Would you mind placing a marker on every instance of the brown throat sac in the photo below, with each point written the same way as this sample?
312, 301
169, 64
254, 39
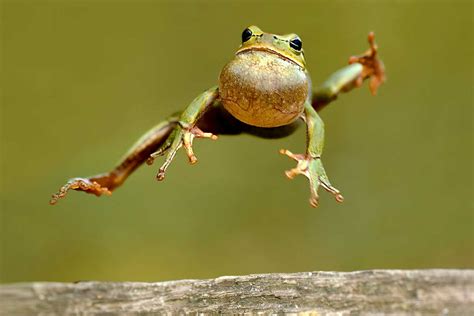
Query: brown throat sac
263, 89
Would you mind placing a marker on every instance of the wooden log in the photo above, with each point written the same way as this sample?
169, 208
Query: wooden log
365, 292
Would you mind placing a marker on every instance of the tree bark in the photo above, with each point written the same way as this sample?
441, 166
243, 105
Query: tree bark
365, 292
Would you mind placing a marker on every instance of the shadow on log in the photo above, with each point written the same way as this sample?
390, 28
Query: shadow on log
379, 291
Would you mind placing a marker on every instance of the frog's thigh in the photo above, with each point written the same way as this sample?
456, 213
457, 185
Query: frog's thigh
273, 132
218, 121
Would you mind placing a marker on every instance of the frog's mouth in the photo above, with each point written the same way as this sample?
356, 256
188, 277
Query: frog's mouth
268, 50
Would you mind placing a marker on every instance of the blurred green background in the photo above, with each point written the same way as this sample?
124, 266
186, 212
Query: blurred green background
82, 80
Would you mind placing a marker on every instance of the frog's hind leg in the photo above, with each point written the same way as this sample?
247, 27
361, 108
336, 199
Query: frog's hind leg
219, 121
272, 132
105, 183
362, 67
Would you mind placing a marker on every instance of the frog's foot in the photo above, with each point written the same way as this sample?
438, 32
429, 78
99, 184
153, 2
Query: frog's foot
87, 185
373, 66
181, 136
312, 168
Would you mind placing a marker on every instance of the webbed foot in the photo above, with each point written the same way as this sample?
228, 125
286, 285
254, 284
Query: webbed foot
88, 185
373, 66
181, 136
312, 168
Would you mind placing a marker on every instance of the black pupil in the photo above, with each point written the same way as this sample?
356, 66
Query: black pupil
296, 44
246, 35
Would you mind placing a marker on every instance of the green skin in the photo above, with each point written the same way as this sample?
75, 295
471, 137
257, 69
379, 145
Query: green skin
265, 91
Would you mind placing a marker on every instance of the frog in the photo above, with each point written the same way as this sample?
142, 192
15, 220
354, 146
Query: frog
265, 91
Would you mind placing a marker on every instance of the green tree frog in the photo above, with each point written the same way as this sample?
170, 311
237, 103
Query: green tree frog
265, 90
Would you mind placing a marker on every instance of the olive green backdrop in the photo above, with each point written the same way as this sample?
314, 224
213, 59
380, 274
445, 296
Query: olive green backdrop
82, 80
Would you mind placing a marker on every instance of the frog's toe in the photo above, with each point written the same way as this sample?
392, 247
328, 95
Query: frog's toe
296, 157
312, 168
182, 137
328, 187
160, 152
373, 66
80, 184
160, 176
194, 132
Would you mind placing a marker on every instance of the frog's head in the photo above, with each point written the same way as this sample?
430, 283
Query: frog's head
266, 84
287, 46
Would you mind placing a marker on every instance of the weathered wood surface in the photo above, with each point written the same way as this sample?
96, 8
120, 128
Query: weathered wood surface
437, 292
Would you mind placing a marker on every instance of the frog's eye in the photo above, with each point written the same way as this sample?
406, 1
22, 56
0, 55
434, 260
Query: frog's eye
296, 44
246, 35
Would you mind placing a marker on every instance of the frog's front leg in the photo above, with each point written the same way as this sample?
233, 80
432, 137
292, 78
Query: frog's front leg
185, 132
310, 164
